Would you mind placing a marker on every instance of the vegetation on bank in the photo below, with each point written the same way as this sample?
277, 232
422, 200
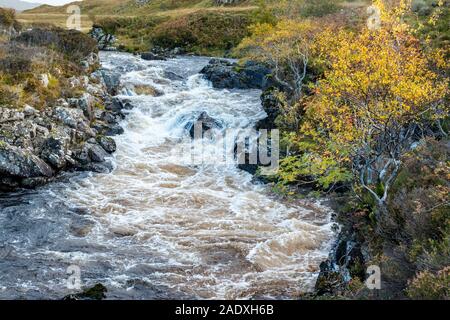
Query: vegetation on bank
36, 66
364, 111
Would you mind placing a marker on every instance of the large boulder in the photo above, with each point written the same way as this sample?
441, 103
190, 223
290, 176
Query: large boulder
206, 122
225, 74
20, 163
111, 79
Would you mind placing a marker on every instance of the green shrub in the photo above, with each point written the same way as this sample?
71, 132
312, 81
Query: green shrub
203, 32
73, 44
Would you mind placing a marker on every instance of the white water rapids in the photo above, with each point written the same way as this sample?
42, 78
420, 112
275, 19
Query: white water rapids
157, 227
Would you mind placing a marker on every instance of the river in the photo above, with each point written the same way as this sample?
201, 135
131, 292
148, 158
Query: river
157, 226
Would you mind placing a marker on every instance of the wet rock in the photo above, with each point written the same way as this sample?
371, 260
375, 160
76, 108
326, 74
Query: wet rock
107, 143
113, 130
97, 292
99, 167
345, 262
111, 80
151, 56
329, 278
271, 105
96, 153
17, 162
206, 122
226, 74
172, 76
116, 105
147, 90
54, 153
81, 227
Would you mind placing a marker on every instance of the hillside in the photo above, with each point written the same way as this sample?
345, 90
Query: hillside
132, 7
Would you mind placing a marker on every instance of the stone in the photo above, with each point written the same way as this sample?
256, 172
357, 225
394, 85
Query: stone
207, 123
53, 152
17, 162
29, 110
107, 143
151, 56
96, 153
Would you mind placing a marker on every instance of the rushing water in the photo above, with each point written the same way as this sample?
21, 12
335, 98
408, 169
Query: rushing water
158, 227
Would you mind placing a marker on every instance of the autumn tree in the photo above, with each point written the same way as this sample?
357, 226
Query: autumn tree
286, 48
377, 95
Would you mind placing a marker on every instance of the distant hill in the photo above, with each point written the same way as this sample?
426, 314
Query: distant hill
133, 7
18, 5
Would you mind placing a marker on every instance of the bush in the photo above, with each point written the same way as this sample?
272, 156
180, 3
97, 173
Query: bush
73, 44
7, 17
427, 285
202, 32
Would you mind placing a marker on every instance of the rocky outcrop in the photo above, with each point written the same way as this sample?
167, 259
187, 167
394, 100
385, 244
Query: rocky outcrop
271, 105
97, 292
74, 134
105, 40
225, 74
345, 261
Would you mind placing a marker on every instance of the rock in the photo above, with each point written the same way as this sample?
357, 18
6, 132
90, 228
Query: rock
85, 103
271, 105
20, 163
151, 56
103, 167
107, 143
111, 80
115, 106
53, 153
113, 130
81, 227
172, 76
104, 40
207, 123
96, 153
329, 278
147, 90
69, 117
97, 292
225, 74
29, 110
345, 262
